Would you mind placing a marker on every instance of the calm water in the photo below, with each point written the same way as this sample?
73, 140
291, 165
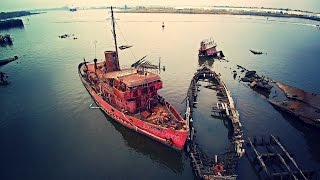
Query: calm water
47, 130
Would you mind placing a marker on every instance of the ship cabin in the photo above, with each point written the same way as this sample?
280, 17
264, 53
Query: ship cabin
134, 90
208, 48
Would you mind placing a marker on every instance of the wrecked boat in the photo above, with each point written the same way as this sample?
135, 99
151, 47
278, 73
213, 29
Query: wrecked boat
256, 82
129, 96
8, 60
304, 105
224, 167
208, 49
305, 113
255, 52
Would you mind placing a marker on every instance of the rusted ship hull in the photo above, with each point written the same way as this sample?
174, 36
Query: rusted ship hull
173, 138
306, 114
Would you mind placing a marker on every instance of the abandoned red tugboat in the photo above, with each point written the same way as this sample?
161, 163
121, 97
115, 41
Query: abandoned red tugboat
130, 97
208, 49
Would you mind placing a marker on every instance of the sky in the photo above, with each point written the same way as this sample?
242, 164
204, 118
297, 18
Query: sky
13, 5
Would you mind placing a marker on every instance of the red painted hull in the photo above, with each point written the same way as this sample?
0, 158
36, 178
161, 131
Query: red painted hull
173, 138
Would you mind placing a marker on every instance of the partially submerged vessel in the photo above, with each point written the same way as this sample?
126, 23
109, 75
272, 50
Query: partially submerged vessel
304, 105
129, 96
208, 49
257, 82
308, 114
224, 168
8, 60
255, 52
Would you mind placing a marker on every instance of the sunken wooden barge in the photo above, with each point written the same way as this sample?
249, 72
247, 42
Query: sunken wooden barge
225, 169
304, 105
271, 160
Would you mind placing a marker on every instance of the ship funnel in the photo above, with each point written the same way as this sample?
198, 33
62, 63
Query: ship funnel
95, 64
112, 63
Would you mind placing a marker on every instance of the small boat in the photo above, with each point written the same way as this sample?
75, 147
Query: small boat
124, 47
162, 24
208, 49
72, 9
129, 96
255, 52
6, 61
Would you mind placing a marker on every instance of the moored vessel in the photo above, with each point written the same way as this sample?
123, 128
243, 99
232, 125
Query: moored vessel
129, 96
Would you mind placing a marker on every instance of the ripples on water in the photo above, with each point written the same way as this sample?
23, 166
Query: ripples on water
48, 130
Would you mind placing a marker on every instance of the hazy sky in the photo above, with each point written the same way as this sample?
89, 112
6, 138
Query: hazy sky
10, 5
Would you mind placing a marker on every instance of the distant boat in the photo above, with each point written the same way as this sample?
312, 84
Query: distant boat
162, 24
124, 47
72, 9
255, 52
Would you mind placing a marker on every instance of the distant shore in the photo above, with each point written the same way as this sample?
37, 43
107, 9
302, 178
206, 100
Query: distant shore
9, 15
285, 13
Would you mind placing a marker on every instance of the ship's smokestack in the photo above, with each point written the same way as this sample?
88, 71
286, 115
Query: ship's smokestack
95, 65
112, 63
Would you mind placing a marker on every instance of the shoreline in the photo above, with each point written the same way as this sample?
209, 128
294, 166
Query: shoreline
16, 14
226, 11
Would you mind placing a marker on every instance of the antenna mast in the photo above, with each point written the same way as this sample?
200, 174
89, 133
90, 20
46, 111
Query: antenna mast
115, 38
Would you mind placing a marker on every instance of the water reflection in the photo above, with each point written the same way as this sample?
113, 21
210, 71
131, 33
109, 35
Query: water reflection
310, 133
205, 60
213, 133
153, 149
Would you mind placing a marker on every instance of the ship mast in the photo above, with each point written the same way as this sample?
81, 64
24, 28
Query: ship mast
115, 38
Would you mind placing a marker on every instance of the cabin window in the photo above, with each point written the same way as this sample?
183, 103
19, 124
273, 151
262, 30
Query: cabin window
145, 90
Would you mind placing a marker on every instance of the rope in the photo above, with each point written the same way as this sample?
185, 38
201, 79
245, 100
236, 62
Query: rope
125, 41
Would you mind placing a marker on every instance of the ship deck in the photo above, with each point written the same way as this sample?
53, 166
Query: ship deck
160, 115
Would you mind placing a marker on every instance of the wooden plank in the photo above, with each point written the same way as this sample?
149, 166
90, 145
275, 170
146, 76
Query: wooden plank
288, 155
286, 165
263, 165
